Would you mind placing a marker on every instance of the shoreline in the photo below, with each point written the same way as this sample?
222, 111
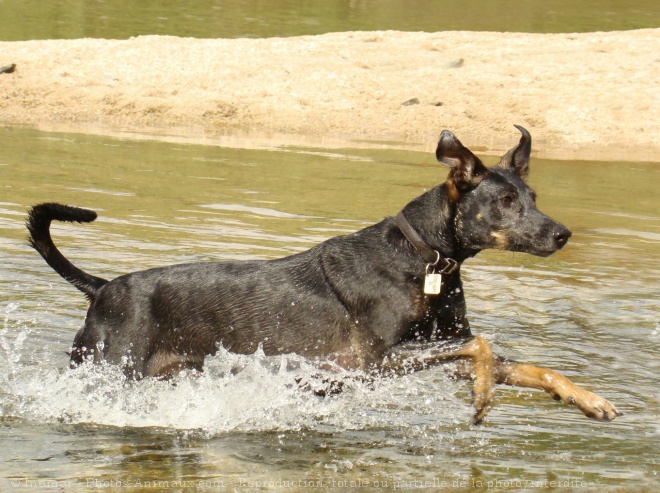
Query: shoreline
582, 96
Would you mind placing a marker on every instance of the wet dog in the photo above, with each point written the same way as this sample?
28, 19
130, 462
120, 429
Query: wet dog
370, 300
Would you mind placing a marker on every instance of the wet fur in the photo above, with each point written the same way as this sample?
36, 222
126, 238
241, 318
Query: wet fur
354, 300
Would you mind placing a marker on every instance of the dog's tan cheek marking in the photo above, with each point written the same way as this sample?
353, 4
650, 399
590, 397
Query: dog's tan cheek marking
500, 238
452, 191
479, 216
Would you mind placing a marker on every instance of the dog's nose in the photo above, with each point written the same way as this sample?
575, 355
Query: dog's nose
561, 236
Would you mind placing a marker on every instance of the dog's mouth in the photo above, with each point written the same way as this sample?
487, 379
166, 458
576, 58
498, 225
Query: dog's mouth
536, 250
543, 253
540, 245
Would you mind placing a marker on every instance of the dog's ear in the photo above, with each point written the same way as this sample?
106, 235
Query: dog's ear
467, 170
517, 159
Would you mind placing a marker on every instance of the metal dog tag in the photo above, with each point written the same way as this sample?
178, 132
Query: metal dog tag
432, 283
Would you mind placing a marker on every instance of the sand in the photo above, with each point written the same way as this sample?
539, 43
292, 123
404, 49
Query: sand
586, 96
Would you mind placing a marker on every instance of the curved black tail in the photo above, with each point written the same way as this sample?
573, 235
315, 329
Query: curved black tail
38, 224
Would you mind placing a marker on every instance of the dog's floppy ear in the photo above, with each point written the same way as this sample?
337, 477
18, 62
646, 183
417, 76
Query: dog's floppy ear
467, 170
517, 159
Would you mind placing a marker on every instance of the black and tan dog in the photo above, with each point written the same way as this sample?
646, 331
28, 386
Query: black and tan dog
370, 300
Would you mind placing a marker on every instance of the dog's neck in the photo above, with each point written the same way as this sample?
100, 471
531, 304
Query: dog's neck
432, 215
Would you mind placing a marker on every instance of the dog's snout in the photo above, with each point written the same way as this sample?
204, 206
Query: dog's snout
561, 236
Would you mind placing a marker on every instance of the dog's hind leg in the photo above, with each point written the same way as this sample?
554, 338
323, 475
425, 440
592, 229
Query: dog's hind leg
165, 364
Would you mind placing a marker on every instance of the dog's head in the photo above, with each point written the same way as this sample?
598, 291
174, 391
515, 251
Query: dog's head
494, 207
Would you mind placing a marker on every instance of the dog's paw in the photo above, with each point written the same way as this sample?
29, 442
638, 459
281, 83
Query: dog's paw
483, 394
482, 407
593, 406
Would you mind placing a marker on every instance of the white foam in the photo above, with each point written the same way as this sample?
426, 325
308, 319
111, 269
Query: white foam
234, 392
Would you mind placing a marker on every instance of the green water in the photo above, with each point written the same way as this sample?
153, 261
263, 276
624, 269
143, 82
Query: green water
591, 311
31, 19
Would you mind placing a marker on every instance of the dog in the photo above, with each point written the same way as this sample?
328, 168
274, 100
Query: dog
387, 299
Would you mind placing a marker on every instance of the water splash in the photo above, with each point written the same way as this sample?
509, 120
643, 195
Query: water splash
234, 393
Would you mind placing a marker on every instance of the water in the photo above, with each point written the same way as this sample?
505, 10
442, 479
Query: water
591, 311
31, 19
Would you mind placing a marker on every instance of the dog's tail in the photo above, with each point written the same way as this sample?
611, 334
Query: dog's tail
38, 224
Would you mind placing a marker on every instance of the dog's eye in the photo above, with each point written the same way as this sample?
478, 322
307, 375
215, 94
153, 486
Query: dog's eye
507, 200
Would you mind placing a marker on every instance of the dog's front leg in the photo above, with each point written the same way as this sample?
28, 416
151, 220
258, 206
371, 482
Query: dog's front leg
476, 350
557, 385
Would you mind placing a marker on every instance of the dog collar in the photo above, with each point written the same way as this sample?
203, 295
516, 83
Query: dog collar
431, 256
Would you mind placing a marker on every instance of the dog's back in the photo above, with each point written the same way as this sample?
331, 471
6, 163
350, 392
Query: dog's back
319, 303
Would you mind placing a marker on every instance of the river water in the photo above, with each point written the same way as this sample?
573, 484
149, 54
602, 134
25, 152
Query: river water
591, 311
120, 19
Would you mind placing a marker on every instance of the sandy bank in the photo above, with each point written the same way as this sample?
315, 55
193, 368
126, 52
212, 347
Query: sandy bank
592, 96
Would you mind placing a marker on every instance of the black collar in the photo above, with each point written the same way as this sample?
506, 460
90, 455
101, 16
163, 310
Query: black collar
431, 256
